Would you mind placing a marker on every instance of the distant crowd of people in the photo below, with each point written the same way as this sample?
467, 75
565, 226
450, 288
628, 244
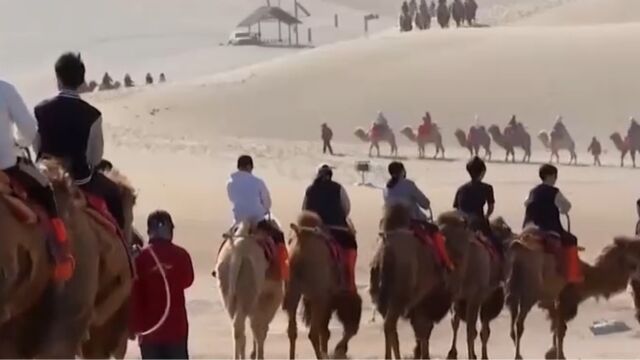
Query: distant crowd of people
419, 16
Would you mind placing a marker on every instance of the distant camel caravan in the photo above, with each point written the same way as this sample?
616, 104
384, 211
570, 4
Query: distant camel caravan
108, 83
514, 136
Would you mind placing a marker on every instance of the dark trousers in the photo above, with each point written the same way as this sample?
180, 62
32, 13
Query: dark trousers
276, 234
165, 351
346, 239
105, 188
326, 146
36, 185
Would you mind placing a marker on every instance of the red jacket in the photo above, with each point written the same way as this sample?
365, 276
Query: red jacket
149, 296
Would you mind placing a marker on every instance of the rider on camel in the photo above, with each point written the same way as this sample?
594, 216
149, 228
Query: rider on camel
400, 190
559, 127
379, 126
425, 128
634, 130
471, 199
543, 208
252, 202
14, 113
329, 200
128, 82
107, 81
70, 129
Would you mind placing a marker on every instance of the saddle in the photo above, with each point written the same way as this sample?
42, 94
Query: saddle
426, 236
481, 239
263, 240
535, 239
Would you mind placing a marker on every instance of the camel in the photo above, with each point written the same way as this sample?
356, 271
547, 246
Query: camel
434, 137
476, 281
87, 88
113, 86
388, 137
247, 290
458, 12
405, 21
403, 273
477, 138
556, 142
624, 147
470, 10
316, 280
39, 320
443, 14
509, 140
423, 17
534, 279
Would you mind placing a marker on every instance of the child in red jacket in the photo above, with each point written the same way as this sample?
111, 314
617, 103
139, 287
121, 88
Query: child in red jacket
161, 260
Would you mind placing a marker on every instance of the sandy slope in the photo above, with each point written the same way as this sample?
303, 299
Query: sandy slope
588, 12
179, 142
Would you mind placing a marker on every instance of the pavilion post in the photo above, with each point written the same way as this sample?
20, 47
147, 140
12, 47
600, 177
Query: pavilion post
279, 31
289, 35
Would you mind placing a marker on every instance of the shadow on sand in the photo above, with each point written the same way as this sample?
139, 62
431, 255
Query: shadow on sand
437, 159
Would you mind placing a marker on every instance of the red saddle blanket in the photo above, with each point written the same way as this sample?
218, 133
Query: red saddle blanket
427, 238
486, 243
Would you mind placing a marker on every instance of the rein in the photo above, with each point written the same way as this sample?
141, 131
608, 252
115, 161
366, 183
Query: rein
167, 307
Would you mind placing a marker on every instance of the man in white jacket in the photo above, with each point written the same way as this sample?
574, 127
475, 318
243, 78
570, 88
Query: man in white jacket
14, 113
252, 202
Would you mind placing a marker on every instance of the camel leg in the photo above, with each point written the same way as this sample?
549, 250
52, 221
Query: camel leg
522, 316
106, 308
292, 332
485, 333
260, 330
633, 157
316, 330
472, 318
455, 325
392, 343
325, 334
239, 337
291, 301
349, 313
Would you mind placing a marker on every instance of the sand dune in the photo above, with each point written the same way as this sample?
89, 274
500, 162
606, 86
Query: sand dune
179, 142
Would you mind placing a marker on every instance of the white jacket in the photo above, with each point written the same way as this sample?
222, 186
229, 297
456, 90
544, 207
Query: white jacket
14, 115
249, 196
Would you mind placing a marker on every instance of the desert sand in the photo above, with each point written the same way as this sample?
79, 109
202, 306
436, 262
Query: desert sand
178, 142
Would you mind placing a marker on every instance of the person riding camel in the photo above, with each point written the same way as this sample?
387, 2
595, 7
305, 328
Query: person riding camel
559, 127
379, 126
413, 8
14, 113
128, 82
107, 81
471, 199
424, 8
400, 190
329, 200
252, 202
633, 134
162, 78
70, 130
425, 128
149, 79
543, 208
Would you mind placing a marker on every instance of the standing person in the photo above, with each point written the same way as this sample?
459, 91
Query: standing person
252, 202
400, 190
329, 200
471, 199
327, 136
638, 222
14, 113
595, 149
543, 208
161, 261
70, 129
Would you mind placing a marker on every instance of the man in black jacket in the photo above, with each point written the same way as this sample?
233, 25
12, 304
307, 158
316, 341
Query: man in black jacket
543, 208
70, 129
330, 201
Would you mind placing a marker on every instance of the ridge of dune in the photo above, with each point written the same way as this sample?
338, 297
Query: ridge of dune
587, 12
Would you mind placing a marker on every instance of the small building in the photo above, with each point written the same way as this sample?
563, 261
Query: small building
269, 14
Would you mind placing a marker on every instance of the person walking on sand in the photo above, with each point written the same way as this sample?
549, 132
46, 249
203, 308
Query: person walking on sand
161, 261
327, 135
596, 150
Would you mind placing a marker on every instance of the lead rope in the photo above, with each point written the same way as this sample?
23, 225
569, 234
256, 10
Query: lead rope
167, 307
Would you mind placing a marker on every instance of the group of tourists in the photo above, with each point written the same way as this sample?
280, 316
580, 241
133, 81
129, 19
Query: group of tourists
419, 16
68, 129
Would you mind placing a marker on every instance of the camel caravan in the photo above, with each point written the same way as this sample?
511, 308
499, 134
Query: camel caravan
108, 83
414, 16
512, 138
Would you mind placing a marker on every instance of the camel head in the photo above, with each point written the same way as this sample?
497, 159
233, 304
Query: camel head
494, 130
409, 133
629, 248
361, 134
502, 231
461, 137
544, 138
308, 223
